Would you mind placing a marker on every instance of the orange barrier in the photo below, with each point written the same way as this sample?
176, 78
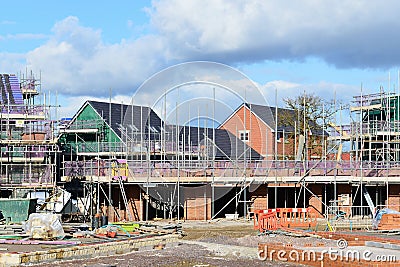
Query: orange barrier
297, 217
268, 221
265, 220
272, 219
258, 217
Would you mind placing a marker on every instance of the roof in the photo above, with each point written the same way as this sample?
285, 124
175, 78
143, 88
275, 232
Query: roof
10, 91
138, 116
227, 144
267, 115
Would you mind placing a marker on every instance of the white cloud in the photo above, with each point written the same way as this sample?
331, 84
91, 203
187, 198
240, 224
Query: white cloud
345, 33
198, 81
326, 90
75, 61
73, 103
11, 61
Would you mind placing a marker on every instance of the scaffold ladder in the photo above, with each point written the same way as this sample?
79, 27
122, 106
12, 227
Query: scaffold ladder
121, 186
369, 201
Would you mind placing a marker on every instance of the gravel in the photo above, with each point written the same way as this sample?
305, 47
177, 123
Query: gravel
253, 241
228, 244
183, 255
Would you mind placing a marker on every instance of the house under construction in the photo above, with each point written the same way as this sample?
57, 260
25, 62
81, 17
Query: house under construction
28, 144
138, 167
126, 162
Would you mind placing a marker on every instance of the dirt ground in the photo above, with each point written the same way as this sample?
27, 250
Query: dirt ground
221, 229
222, 243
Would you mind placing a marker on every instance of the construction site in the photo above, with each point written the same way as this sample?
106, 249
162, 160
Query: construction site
138, 167
126, 176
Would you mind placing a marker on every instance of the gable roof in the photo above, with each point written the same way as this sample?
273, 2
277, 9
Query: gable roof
267, 115
269, 118
121, 114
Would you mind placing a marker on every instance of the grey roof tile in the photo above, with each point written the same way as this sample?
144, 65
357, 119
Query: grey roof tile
122, 114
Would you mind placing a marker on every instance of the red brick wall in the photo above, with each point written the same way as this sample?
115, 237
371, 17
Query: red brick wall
317, 189
286, 148
197, 203
134, 197
394, 196
259, 197
261, 138
134, 200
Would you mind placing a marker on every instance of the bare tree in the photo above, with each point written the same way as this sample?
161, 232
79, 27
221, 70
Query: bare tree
308, 113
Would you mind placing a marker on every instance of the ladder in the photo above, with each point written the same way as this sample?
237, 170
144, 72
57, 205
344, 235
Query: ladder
121, 186
369, 201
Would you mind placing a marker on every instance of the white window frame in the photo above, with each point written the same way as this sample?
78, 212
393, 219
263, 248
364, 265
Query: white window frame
244, 135
278, 136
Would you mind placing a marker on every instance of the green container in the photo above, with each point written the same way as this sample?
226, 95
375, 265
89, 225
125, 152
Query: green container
17, 209
129, 227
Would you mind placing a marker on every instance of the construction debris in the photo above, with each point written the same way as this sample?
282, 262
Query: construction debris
44, 226
45, 239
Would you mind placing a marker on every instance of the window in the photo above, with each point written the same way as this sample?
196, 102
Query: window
244, 135
279, 136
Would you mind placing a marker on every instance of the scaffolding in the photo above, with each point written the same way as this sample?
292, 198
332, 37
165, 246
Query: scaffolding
160, 157
125, 145
27, 140
376, 134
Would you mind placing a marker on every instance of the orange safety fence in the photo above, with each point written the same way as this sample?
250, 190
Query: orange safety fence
297, 217
265, 220
268, 221
272, 219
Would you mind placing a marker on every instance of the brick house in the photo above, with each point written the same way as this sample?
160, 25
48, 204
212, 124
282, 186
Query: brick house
255, 125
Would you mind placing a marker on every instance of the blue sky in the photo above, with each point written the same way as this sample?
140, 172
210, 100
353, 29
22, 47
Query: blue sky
116, 21
85, 48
